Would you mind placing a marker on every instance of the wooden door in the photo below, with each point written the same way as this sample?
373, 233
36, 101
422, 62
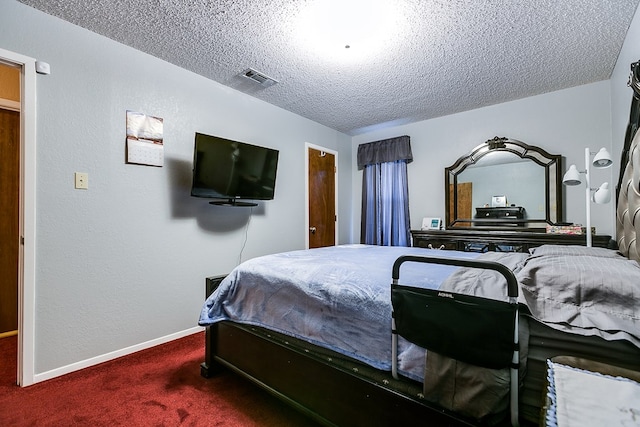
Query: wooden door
322, 198
9, 196
464, 208
9, 214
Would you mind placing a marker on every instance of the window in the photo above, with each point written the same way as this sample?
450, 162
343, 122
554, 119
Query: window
385, 195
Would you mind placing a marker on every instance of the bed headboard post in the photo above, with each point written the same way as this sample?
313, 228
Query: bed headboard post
628, 207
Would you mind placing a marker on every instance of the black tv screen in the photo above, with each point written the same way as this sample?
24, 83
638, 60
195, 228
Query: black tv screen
227, 169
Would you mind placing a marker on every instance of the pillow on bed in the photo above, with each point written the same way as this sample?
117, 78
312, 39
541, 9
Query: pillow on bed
588, 292
575, 250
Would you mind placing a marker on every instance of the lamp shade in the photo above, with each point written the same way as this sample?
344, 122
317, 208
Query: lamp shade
602, 159
602, 194
572, 176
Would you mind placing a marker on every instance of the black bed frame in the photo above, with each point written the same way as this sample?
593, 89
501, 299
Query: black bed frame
328, 394
331, 392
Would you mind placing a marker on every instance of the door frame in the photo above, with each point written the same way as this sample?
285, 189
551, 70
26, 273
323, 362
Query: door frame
307, 146
27, 216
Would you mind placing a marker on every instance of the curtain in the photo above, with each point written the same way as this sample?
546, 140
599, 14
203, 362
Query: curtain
385, 194
386, 150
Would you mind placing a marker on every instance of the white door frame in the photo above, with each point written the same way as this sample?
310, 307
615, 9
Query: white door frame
308, 145
27, 216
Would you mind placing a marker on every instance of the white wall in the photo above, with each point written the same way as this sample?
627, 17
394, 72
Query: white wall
124, 262
562, 122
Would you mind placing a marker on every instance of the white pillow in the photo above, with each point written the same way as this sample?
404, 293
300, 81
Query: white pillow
575, 250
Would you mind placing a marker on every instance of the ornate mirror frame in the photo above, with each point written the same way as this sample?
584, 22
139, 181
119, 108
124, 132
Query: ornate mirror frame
552, 164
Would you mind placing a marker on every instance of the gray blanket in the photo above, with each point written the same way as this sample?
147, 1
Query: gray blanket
335, 297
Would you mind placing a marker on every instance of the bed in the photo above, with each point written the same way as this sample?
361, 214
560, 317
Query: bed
304, 352
313, 326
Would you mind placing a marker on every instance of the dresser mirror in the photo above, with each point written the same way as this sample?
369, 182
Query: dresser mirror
504, 184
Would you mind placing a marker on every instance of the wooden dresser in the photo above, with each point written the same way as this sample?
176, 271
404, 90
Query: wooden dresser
499, 241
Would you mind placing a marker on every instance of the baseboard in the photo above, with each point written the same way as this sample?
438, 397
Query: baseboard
113, 355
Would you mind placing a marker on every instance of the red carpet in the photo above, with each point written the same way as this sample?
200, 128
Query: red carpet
160, 386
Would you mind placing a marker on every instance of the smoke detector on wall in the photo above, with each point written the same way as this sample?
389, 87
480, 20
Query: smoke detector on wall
258, 77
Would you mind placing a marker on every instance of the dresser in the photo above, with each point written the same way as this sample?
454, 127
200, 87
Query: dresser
498, 241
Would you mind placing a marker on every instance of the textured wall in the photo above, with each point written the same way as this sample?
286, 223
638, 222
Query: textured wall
562, 122
124, 262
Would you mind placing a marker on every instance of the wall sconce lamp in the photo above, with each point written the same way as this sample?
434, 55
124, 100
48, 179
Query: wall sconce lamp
602, 194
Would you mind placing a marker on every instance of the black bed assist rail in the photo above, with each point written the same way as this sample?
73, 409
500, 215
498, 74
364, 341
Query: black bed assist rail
512, 282
475, 330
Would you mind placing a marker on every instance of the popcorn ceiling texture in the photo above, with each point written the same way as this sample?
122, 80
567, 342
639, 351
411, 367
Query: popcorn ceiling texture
442, 57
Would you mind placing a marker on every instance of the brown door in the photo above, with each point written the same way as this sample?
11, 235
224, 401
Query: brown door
9, 197
322, 198
9, 225
464, 209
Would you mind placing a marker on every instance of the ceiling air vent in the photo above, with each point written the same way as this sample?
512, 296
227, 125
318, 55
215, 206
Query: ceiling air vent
258, 77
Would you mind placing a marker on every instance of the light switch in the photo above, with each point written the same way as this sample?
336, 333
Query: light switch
82, 180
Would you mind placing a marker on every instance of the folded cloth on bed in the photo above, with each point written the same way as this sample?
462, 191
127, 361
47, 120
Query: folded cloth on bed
337, 297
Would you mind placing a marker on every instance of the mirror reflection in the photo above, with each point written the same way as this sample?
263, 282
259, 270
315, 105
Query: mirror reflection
504, 183
520, 182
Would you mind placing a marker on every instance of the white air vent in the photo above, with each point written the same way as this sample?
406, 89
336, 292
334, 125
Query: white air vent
258, 77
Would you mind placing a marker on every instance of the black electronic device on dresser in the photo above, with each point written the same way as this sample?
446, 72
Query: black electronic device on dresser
498, 241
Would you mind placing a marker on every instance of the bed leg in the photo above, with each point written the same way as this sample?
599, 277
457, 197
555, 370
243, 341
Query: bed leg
209, 367
204, 370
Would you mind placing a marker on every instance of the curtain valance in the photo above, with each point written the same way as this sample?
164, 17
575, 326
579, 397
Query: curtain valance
385, 150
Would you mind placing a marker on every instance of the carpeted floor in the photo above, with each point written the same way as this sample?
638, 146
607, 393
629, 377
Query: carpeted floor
160, 386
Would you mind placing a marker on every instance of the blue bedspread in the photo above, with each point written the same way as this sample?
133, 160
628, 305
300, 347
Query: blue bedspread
336, 297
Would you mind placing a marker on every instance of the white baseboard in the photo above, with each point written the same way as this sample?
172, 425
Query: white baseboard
113, 355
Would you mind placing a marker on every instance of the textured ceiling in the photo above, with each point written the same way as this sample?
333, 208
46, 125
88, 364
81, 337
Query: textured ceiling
429, 58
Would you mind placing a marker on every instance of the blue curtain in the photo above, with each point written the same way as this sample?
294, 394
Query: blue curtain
385, 194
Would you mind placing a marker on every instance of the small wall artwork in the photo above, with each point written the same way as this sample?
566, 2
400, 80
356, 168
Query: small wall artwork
144, 139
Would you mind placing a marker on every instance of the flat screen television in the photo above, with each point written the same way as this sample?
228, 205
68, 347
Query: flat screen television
230, 171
